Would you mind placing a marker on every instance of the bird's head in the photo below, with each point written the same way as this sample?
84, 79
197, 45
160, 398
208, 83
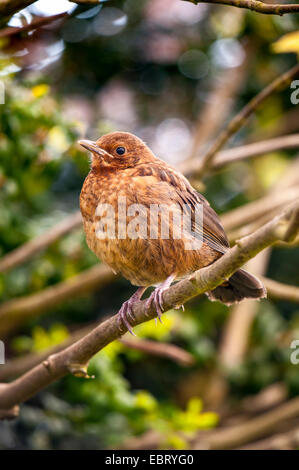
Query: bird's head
117, 150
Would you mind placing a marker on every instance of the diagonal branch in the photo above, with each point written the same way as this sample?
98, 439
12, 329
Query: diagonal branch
36, 23
279, 291
241, 118
15, 311
238, 435
251, 211
37, 244
16, 366
75, 358
254, 5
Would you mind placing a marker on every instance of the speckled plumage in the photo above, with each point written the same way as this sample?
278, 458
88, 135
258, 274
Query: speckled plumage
142, 178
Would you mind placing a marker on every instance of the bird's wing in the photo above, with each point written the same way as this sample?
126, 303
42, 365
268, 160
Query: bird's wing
162, 183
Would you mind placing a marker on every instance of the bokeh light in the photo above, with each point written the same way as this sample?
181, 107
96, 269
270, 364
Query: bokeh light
110, 21
194, 64
172, 139
227, 53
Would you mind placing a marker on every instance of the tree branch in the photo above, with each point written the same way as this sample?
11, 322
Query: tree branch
243, 152
37, 244
156, 348
19, 365
277, 290
241, 118
216, 108
253, 210
254, 150
254, 5
14, 312
283, 441
36, 23
75, 358
235, 436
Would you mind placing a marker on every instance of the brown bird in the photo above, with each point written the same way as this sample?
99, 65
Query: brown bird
125, 203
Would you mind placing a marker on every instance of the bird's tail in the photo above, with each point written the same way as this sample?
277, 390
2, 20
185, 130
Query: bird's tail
241, 285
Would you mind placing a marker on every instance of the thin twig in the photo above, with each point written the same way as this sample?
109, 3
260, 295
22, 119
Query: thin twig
156, 348
37, 244
217, 107
233, 155
253, 210
35, 24
236, 436
241, 118
15, 367
281, 441
244, 152
236, 334
279, 291
254, 5
15, 312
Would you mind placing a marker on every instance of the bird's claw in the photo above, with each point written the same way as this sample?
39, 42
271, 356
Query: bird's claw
125, 313
156, 297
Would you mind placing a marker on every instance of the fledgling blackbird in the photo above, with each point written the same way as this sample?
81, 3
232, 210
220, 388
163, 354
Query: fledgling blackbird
125, 172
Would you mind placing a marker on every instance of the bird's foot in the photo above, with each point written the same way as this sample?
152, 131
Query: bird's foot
157, 296
125, 312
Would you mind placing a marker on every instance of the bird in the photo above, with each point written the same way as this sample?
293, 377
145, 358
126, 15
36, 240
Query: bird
125, 184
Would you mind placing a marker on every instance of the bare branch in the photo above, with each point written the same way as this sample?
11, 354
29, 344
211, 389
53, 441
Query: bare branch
15, 312
217, 107
255, 209
268, 398
243, 152
254, 5
156, 348
75, 358
241, 118
34, 246
236, 436
279, 291
235, 336
254, 150
36, 23
282, 441
15, 367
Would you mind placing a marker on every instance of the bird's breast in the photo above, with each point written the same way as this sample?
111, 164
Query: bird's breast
116, 212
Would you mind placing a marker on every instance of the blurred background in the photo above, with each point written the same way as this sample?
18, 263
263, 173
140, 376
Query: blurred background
174, 74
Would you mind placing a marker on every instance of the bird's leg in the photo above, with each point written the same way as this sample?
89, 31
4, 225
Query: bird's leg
157, 295
126, 308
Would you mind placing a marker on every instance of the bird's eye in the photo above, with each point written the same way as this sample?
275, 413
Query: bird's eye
120, 150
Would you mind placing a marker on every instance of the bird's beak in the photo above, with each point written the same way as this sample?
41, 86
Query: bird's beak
93, 147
